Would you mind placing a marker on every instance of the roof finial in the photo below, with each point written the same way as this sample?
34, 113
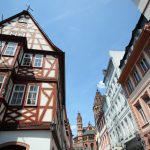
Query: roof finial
29, 8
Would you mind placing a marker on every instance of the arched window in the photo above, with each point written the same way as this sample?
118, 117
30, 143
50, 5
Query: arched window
14, 146
92, 146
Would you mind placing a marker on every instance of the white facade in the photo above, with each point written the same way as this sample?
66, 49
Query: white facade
35, 139
144, 7
119, 121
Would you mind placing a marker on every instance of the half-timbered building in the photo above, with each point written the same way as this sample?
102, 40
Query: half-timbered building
32, 88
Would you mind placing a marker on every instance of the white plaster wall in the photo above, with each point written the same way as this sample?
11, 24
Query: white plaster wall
38, 140
120, 114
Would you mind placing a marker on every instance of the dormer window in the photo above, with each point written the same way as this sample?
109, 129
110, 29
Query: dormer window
27, 60
10, 49
23, 19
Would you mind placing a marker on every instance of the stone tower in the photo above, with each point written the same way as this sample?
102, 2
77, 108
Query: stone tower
79, 130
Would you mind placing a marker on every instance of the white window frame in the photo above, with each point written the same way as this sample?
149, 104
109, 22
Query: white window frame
13, 94
35, 59
31, 56
36, 95
2, 81
3, 43
15, 47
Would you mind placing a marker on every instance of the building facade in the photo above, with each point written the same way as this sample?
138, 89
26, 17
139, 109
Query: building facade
32, 88
121, 126
86, 136
144, 7
135, 78
102, 137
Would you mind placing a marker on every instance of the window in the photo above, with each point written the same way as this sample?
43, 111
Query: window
23, 19
38, 60
136, 76
1, 80
32, 94
27, 60
2, 43
144, 65
130, 86
9, 88
10, 49
17, 94
142, 114
146, 98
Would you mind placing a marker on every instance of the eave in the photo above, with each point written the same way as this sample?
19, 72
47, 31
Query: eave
137, 50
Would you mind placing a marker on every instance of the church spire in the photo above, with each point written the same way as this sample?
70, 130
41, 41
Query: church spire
79, 124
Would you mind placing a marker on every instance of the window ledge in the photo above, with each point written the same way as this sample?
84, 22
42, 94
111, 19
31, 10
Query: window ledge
5, 55
144, 125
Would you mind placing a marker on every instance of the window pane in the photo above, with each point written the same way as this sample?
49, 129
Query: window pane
1, 80
38, 61
144, 65
32, 95
27, 60
17, 94
10, 49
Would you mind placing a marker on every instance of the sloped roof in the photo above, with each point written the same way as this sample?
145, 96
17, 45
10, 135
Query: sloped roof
24, 12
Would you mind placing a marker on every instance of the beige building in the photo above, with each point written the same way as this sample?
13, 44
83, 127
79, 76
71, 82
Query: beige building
86, 136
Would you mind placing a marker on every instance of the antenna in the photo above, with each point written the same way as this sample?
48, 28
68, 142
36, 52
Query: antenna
1, 31
29, 8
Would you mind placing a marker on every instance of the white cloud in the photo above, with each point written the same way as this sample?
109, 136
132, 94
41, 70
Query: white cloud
101, 85
73, 127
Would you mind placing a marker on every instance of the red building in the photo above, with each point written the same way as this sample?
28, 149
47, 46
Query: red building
135, 78
102, 137
32, 88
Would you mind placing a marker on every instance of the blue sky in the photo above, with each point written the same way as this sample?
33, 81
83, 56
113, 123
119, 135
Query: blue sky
85, 30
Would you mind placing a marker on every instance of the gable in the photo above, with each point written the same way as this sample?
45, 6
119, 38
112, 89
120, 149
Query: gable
90, 127
24, 25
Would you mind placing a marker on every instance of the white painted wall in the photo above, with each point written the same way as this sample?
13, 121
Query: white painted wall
117, 114
38, 140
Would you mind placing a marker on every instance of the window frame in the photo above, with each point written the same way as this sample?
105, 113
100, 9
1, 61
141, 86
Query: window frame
129, 88
31, 57
2, 81
35, 60
15, 47
37, 94
143, 69
13, 94
3, 45
136, 76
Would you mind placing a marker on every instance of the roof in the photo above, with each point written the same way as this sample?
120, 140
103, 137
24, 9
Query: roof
24, 12
89, 132
57, 50
135, 33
